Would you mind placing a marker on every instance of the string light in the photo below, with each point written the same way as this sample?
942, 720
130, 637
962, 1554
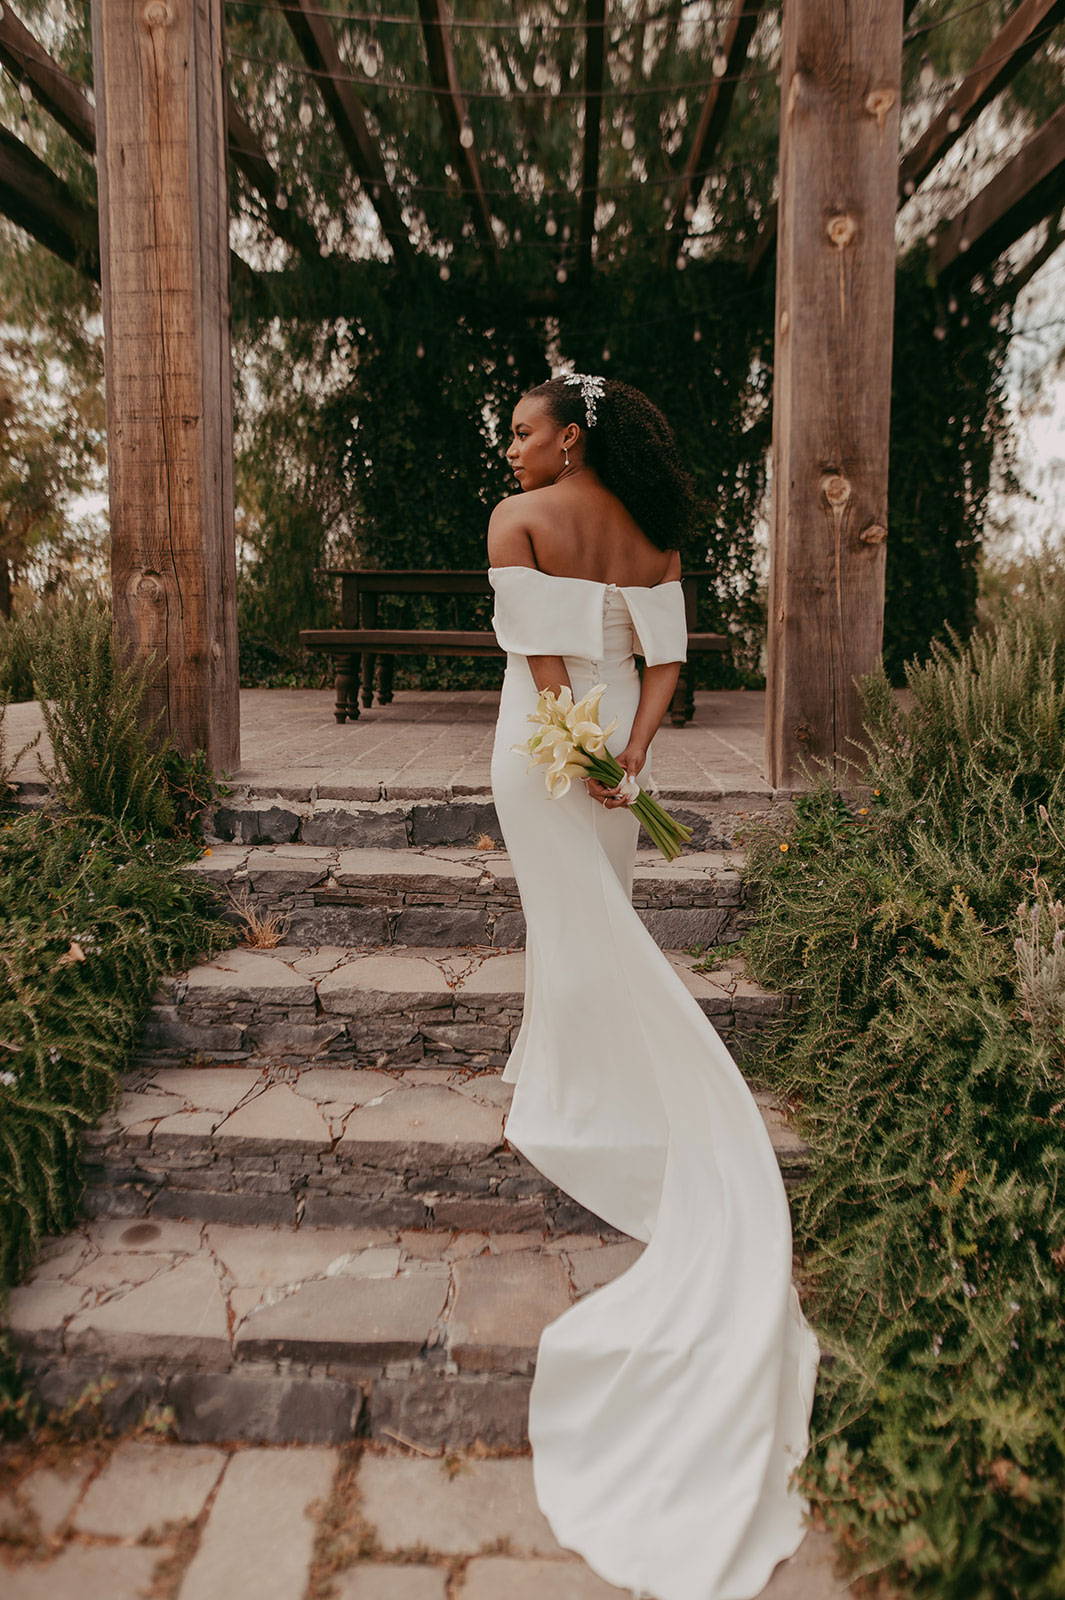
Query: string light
466, 134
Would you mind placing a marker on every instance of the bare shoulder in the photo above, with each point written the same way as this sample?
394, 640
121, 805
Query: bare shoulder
672, 572
509, 543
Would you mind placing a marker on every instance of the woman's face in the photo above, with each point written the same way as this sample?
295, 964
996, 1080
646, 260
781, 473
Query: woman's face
536, 443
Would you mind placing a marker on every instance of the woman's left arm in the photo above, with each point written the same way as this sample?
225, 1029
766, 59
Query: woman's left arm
549, 672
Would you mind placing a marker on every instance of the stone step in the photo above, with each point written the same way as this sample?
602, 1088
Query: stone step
388, 1007
324, 1146
451, 894
265, 812
305, 1334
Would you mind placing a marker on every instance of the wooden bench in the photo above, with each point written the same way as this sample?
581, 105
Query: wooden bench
356, 646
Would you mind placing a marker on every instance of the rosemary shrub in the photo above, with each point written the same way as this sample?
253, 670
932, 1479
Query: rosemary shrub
920, 928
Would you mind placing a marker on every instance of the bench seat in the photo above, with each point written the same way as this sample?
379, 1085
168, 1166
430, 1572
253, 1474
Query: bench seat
355, 649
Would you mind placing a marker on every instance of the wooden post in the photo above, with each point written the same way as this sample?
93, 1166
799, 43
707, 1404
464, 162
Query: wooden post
839, 129
164, 225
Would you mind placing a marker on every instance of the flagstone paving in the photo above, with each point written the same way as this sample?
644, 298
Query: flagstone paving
149, 1519
436, 743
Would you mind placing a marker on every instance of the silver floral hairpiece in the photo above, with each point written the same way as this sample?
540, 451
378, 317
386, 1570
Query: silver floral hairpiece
592, 389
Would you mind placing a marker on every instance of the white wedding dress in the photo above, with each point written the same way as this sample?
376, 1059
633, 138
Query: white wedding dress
668, 1408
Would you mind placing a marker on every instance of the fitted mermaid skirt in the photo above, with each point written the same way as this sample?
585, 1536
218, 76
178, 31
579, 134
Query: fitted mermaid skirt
670, 1407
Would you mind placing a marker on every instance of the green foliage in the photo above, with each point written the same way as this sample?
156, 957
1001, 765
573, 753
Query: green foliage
948, 417
91, 914
920, 930
110, 760
20, 643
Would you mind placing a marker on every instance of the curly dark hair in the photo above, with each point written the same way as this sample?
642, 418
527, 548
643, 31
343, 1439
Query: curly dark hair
632, 448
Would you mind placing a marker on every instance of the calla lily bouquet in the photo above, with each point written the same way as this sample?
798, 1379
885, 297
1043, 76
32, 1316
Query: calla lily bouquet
571, 744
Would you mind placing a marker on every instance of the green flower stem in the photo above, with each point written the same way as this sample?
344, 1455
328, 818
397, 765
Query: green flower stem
666, 832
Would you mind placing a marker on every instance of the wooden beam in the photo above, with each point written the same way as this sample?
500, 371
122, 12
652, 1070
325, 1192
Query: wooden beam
32, 196
455, 117
839, 125
1027, 189
317, 43
161, 156
594, 68
52, 87
64, 98
1020, 280
1002, 58
713, 118
1014, 44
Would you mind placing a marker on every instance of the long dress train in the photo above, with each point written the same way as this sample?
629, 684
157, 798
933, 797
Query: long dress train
669, 1407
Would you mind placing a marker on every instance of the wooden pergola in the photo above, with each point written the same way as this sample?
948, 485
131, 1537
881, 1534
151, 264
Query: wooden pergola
162, 123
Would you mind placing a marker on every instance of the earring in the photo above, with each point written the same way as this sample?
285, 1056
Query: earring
565, 452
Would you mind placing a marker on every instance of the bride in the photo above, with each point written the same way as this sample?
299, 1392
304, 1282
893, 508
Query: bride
669, 1408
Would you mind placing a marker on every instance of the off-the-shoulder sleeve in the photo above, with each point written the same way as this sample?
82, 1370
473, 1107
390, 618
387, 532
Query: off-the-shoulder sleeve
537, 614
659, 622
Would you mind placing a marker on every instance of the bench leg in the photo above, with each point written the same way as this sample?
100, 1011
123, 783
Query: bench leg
368, 660
384, 693
346, 686
682, 705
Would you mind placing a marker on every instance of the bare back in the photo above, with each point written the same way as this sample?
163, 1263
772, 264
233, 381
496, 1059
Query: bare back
579, 529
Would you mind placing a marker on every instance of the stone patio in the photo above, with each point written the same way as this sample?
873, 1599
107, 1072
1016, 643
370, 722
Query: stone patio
149, 1518
430, 744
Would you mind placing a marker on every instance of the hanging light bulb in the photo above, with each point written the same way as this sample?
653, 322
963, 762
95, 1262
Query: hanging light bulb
952, 305
927, 74
561, 275
628, 133
541, 71
510, 359
606, 353
420, 352
953, 122
719, 65
682, 262
372, 56
445, 271
550, 226
306, 113
697, 334
281, 200
566, 231
466, 133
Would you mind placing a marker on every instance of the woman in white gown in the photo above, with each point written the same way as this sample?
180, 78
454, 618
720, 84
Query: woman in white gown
669, 1408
